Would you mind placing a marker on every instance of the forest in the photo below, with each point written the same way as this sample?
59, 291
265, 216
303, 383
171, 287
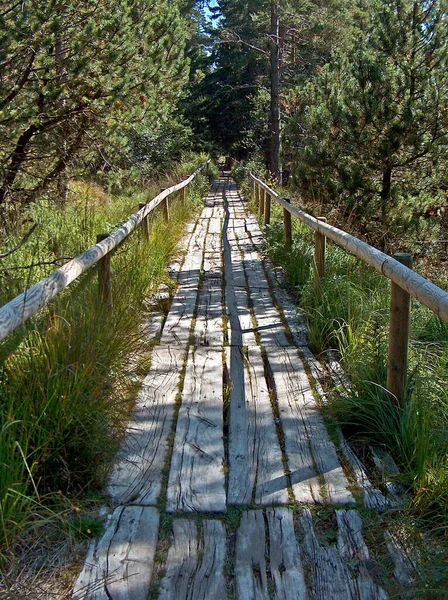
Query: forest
340, 105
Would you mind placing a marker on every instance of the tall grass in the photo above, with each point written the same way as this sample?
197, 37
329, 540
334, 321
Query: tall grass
67, 379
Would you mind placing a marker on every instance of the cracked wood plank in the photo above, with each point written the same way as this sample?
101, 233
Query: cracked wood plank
255, 458
303, 425
119, 565
285, 563
295, 400
195, 563
137, 474
250, 563
240, 324
209, 327
342, 571
196, 479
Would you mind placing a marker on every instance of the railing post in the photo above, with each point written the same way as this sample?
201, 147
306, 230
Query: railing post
262, 197
267, 208
183, 194
397, 360
319, 254
145, 224
287, 226
165, 209
104, 274
257, 196
254, 189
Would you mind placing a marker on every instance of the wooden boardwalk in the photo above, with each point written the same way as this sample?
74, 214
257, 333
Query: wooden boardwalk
218, 489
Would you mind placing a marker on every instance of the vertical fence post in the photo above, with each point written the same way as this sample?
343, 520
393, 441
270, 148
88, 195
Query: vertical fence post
145, 224
319, 254
254, 190
257, 196
165, 209
287, 226
397, 360
267, 208
104, 274
262, 197
183, 195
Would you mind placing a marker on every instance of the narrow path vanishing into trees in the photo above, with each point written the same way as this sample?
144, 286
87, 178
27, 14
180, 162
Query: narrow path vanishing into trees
228, 483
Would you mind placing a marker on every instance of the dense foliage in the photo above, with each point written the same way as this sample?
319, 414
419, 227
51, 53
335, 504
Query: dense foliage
75, 76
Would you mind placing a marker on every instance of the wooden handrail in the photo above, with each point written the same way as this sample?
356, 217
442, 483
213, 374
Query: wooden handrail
417, 286
24, 306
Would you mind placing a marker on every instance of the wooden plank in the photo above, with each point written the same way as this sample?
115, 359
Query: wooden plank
137, 474
354, 552
404, 558
341, 571
209, 326
250, 563
295, 400
196, 480
237, 302
255, 458
285, 563
195, 564
119, 565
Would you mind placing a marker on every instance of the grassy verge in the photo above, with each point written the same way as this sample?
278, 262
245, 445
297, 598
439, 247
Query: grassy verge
349, 313
67, 379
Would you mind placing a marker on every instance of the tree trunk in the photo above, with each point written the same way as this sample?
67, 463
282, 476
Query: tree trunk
275, 120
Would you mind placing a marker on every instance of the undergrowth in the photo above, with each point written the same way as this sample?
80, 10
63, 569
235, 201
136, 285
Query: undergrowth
69, 375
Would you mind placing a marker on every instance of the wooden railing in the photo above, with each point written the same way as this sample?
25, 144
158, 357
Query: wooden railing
405, 281
24, 306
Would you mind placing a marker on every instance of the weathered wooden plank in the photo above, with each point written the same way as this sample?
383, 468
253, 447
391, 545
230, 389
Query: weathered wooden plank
295, 400
403, 557
341, 571
178, 322
119, 565
237, 302
196, 480
250, 563
255, 458
287, 365
137, 474
195, 563
209, 326
285, 563
354, 552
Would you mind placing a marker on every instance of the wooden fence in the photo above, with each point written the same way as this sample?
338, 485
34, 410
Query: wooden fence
24, 306
405, 282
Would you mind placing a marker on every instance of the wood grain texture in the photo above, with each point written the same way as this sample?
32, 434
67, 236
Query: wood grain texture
178, 322
340, 571
195, 563
404, 558
137, 475
285, 563
306, 437
196, 479
255, 458
119, 565
209, 327
250, 563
